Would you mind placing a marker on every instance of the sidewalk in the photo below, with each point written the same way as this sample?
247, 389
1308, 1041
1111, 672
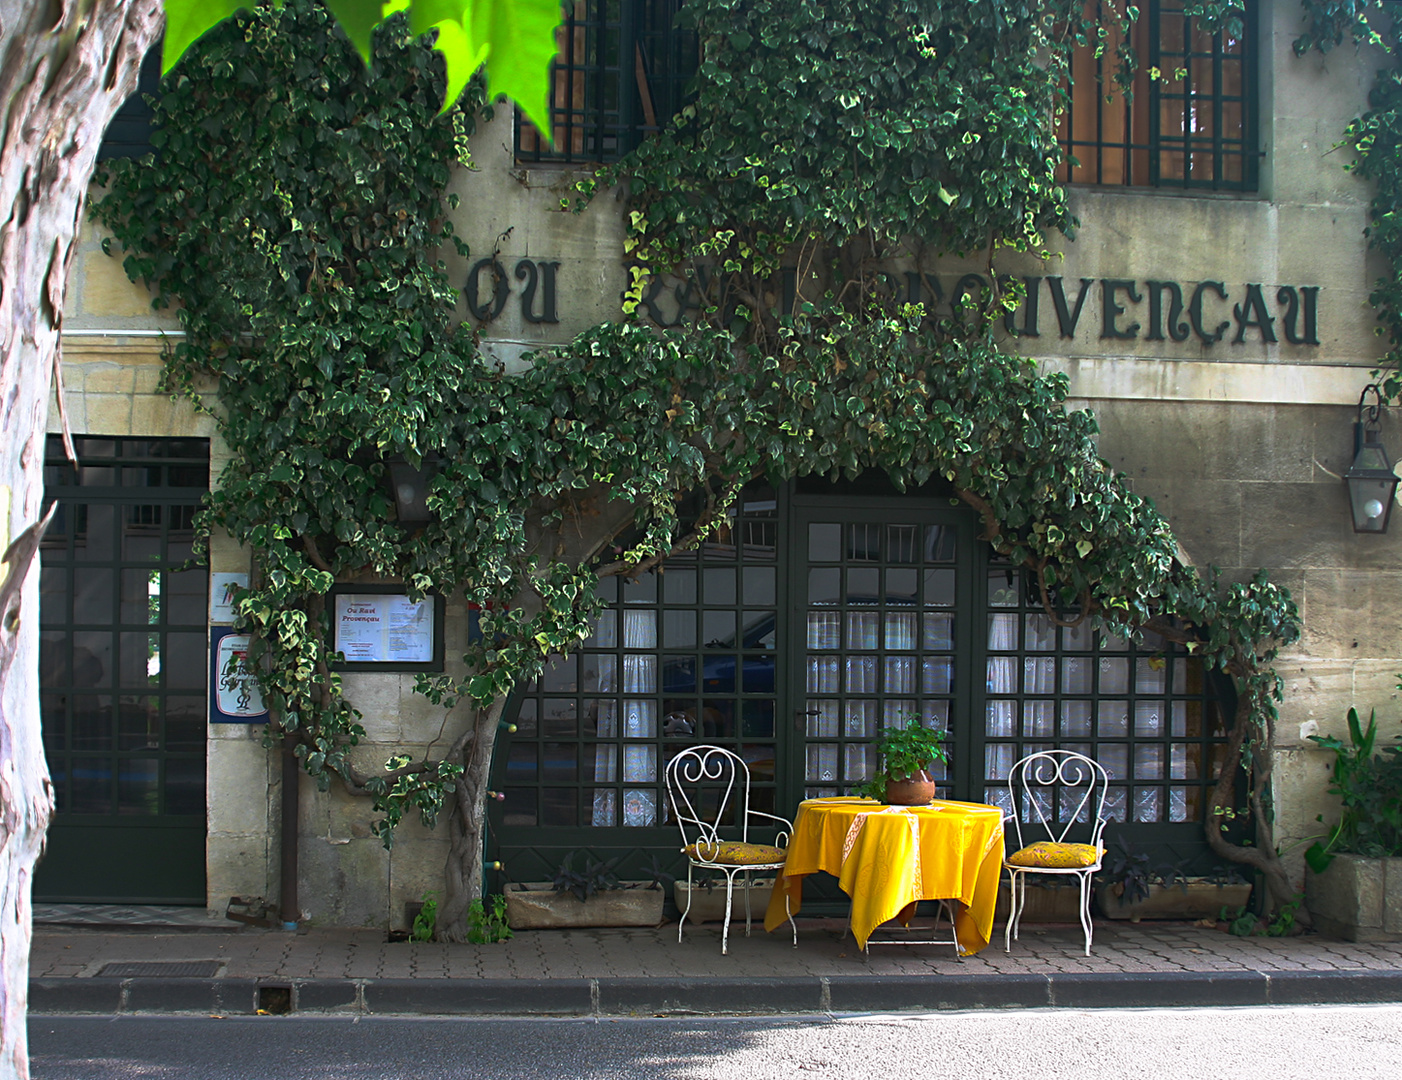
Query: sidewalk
211, 966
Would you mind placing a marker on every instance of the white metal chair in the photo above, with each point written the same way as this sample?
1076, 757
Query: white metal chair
1078, 785
716, 770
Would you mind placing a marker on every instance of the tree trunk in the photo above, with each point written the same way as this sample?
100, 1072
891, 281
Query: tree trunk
64, 70
1262, 856
466, 821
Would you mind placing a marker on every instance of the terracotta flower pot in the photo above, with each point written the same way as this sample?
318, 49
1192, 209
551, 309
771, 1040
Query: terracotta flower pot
917, 790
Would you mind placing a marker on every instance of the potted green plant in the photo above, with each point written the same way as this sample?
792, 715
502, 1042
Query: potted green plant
1353, 878
906, 753
589, 894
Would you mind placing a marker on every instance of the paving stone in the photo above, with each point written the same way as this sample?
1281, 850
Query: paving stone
323, 959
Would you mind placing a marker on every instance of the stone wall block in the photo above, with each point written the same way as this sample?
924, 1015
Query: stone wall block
240, 866
1352, 612
108, 292
1206, 516
238, 787
377, 695
104, 414
344, 884
157, 415
416, 869
1293, 525
1301, 783
1347, 899
1375, 687
1313, 691
101, 377
1392, 896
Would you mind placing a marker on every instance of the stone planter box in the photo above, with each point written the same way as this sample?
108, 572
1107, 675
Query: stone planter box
1198, 900
536, 907
1045, 903
1357, 898
708, 905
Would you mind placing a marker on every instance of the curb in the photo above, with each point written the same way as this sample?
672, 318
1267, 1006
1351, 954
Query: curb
708, 996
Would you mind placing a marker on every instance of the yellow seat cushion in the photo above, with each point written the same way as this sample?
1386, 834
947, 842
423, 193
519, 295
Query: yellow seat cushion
734, 853
1054, 856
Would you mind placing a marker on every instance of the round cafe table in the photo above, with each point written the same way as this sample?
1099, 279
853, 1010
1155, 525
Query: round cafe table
888, 857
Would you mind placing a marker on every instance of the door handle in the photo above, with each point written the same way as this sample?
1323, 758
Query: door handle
800, 718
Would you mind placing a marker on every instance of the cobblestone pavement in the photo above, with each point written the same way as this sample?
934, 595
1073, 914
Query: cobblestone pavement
823, 951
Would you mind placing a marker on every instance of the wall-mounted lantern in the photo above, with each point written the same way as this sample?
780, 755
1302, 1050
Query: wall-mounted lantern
1372, 485
410, 487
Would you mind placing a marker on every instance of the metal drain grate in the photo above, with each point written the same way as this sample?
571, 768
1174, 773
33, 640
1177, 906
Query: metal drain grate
161, 969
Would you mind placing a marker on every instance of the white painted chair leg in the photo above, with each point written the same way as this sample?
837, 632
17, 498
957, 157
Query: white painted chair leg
1017, 896
1085, 909
682, 921
725, 926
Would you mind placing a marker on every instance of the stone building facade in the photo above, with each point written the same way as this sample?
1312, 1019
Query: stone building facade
1222, 334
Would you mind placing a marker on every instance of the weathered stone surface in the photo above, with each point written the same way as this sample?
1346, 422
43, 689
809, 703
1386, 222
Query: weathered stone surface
1348, 899
1392, 897
708, 905
1193, 900
542, 909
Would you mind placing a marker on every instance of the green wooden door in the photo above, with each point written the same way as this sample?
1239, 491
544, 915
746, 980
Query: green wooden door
122, 683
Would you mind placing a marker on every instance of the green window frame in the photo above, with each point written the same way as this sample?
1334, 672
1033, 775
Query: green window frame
744, 644
123, 628
1147, 710
620, 72
1194, 129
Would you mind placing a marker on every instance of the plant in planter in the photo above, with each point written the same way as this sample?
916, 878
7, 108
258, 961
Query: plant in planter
1369, 786
1132, 888
906, 753
1353, 880
591, 895
594, 878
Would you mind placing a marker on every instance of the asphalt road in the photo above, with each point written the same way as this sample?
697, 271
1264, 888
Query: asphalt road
1273, 1043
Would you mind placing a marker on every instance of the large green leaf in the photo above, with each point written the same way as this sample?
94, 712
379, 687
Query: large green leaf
520, 37
186, 22
358, 18
515, 38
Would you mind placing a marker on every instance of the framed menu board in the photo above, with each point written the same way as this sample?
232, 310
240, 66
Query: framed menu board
379, 628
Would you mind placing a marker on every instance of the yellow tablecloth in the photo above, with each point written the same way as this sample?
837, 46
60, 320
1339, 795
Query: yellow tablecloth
888, 857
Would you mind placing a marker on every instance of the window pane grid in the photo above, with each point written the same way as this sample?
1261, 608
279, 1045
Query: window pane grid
1142, 709
123, 643
879, 643
620, 73
679, 657
1193, 128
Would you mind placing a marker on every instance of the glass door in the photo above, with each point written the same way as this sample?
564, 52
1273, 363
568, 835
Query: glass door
880, 593
122, 672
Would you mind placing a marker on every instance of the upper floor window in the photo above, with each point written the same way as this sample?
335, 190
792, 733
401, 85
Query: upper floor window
620, 73
1193, 127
